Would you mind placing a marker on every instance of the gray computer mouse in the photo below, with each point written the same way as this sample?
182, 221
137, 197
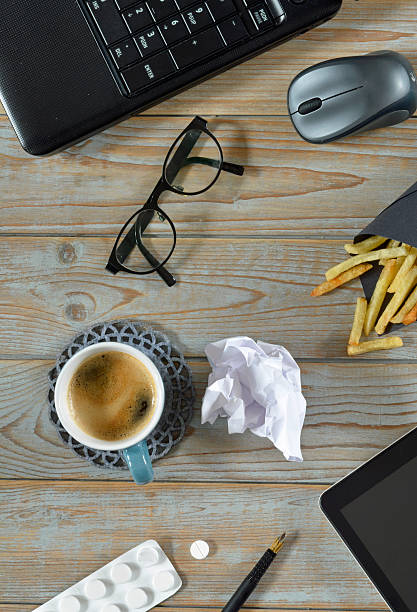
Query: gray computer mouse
352, 94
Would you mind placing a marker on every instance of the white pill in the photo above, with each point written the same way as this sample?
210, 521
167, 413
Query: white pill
199, 549
111, 608
148, 556
137, 598
70, 604
95, 589
121, 573
163, 581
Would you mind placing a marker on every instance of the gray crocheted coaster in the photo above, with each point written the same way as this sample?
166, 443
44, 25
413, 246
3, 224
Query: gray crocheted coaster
176, 375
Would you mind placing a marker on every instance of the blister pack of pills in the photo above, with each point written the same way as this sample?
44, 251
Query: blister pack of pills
137, 580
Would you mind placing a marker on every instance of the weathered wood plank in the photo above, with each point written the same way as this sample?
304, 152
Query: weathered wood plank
226, 287
290, 187
353, 412
29, 608
55, 533
259, 86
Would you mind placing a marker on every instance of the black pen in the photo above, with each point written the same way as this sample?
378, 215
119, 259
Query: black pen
250, 582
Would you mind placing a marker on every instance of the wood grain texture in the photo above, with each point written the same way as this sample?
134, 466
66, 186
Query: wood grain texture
71, 518
260, 85
66, 530
290, 187
352, 412
29, 608
226, 287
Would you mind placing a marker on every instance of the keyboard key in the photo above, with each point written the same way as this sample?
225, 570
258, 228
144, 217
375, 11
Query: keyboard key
233, 30
162, 8
138, 17
276, 9
261, 16
108, 20
149, 42
198, 17
124, 54
173, 30
148, 72
221, 8
122, 4
197, 47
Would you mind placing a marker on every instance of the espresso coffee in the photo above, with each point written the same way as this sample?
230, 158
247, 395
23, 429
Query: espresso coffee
112, 396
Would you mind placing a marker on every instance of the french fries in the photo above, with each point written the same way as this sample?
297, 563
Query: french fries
385, 279
380, 344
369, 244
402, 272
394, 299
358, 259
411, 316
358, 321
343, 278
410, 302
391, 244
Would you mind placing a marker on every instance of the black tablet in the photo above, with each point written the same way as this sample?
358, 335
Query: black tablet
374, 510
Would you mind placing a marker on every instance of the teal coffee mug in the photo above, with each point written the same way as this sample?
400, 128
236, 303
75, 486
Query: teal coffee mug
135, 449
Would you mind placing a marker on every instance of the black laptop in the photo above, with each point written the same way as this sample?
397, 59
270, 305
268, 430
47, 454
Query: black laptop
69, 68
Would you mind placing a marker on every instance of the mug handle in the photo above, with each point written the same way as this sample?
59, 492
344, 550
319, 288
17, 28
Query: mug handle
139, 462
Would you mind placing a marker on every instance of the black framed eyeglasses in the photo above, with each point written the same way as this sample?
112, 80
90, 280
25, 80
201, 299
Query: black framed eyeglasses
147, 240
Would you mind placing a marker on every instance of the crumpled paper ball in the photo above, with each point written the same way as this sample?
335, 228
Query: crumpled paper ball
256, 386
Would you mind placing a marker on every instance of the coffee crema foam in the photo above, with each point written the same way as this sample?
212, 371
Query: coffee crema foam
112, 396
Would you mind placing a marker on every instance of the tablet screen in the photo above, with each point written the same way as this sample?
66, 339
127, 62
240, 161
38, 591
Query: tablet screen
385, 519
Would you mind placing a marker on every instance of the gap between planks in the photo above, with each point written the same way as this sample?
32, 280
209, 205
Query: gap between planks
202, 359
17, 607
165, 481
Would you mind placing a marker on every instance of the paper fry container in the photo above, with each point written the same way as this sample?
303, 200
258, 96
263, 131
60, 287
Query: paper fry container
399, 222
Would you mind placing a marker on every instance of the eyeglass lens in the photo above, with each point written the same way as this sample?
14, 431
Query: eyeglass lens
147, 242
194, 162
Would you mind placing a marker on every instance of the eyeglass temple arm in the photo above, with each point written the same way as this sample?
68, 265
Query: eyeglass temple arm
233, 168
162, 272
206, 161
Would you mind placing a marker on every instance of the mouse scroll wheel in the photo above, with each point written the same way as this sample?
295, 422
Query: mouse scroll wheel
311, 105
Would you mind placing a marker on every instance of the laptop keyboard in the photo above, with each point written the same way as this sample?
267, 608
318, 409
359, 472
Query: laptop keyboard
152, 40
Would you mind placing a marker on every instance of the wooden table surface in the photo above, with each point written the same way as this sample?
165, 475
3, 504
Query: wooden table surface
248, 254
